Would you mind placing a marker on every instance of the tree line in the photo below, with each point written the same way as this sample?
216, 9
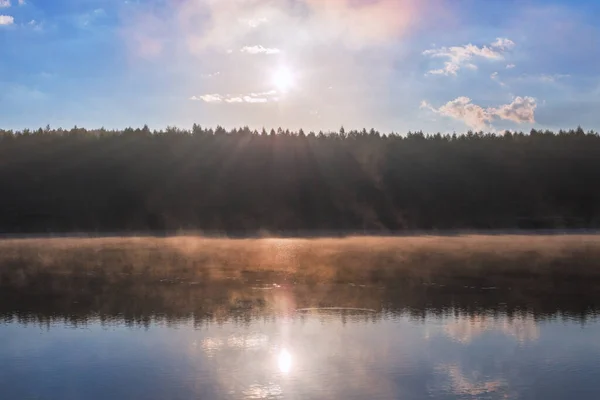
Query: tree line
244, 181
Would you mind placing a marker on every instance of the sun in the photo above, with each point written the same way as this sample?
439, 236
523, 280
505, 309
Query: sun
283, 79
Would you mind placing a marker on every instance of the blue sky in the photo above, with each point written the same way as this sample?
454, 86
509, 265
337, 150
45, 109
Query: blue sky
396, 65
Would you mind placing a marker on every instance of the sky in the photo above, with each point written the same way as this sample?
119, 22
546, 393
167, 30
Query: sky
393, 65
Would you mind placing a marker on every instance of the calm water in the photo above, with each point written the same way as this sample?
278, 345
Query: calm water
266, 341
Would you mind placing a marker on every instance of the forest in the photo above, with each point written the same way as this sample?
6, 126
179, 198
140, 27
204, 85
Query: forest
277, 182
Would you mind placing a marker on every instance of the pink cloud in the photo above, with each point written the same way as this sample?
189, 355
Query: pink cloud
520, 110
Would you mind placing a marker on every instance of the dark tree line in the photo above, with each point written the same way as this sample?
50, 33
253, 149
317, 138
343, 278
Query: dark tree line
245, 181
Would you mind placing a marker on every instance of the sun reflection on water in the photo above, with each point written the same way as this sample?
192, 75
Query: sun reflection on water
284, 361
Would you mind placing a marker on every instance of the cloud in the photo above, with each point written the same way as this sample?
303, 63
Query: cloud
317, 41
552, 78
259, 50
35, 25
495, 77
252, 98
464, 110
4, 3
208, 98
6, 20
543, 78
46, 75
22, 2
503, 44
510, 66
426, 105
269, 93
200, 25
360, 23
254, 22
462, 56
521, 110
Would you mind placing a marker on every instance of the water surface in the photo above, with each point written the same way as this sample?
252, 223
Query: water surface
79, 333
270, 345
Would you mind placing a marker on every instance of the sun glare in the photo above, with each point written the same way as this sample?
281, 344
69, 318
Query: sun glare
283, 79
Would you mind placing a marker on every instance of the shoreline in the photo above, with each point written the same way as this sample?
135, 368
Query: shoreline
302, 235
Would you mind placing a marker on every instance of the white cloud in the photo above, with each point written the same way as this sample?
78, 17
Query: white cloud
4, 3
510, 66
260, 94
503, 44
259, 50
208, 98
521, 110
252, 98
461, 56
22, 2
426, 105
449, 69
6, 20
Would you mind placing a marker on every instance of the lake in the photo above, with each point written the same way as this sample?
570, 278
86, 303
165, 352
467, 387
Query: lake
120, 328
